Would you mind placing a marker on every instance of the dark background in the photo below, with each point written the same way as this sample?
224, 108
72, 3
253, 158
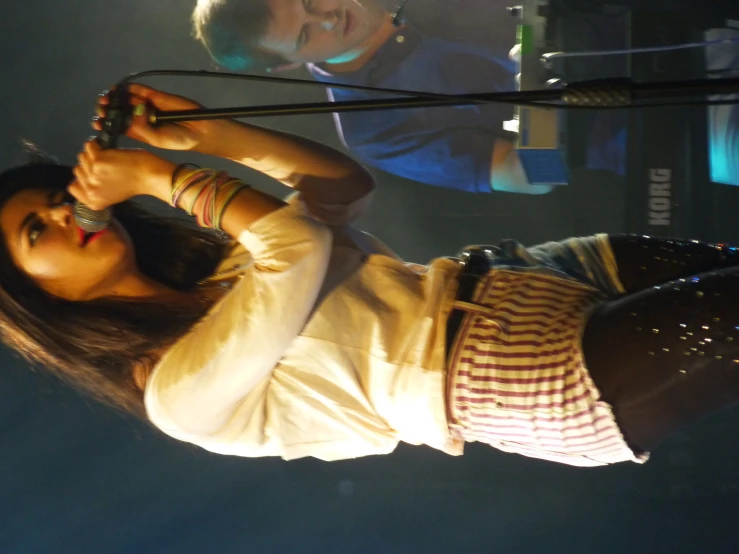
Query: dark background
76, 478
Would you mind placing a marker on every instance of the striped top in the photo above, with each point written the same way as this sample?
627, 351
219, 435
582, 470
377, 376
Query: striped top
517, 376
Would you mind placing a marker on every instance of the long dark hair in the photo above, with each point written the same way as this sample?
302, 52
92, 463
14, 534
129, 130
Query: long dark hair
96, 345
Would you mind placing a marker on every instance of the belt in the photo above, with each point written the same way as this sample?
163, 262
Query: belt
475, 264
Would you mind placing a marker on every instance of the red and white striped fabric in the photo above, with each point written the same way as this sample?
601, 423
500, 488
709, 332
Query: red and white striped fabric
517, 379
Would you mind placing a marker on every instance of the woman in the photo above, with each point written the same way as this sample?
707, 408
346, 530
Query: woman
305, 337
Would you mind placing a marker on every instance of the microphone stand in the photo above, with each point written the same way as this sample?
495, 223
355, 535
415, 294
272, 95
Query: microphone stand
600, 93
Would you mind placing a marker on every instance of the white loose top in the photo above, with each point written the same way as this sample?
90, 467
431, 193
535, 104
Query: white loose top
328, 345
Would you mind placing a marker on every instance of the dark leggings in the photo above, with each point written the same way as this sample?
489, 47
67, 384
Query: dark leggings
667, 353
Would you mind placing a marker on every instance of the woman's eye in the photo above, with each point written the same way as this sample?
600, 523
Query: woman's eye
34, 232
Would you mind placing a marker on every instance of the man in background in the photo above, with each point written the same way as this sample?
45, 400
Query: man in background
438, 46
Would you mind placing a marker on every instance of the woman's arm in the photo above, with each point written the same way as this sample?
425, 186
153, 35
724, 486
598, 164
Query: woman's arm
292, 160
335, 188
108, 177
204, 378
300, 163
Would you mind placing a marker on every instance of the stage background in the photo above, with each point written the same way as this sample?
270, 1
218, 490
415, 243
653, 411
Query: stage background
78, 479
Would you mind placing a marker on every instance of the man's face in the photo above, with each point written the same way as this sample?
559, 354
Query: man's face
313, 31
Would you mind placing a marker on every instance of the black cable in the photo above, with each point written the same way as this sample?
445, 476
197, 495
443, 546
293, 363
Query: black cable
302, 82
677, 103
722, 71
450, 100
287, 80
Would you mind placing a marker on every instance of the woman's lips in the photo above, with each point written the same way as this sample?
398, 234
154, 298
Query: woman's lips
86, 238
94, 236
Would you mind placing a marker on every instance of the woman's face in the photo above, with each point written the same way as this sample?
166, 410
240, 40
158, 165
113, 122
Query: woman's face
46, 244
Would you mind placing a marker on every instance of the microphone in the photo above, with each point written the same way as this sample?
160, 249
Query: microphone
116, 121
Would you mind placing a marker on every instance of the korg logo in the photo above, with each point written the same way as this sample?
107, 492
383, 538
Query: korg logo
660, 197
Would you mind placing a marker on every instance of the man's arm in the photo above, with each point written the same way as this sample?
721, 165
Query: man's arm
463, 158
507, 174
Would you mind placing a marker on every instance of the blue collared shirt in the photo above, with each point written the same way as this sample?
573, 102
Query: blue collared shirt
450, 47
435, 52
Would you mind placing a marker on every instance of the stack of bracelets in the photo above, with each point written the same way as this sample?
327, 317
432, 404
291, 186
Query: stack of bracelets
212, 187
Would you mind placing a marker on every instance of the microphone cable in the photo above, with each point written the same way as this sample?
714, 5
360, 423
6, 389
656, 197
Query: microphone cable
448, 99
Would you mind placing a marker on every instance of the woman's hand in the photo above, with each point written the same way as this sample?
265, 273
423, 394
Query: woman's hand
108, 177
186, 135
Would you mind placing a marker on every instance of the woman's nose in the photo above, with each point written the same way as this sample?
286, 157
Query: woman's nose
63, 214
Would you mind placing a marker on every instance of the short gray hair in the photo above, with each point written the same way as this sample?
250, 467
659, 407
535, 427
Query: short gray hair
231, 30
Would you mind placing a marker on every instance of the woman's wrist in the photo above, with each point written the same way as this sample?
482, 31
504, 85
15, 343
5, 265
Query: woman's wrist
221, 139
159, 179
